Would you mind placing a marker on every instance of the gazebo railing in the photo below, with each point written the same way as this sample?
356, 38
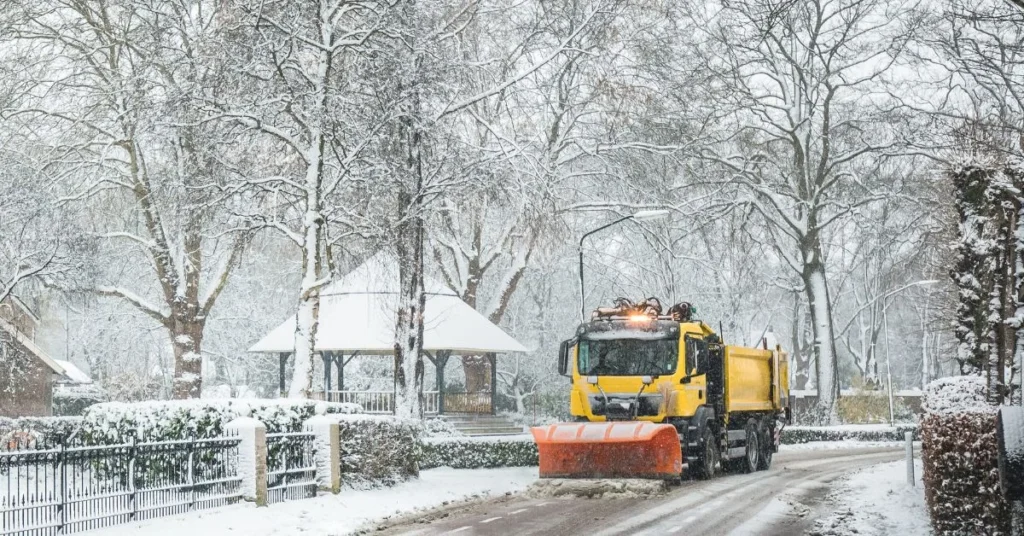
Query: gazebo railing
379, 402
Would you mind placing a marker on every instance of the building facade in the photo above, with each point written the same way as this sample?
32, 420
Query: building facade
26, 372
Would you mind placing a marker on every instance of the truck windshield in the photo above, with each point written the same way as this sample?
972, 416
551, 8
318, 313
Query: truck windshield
628, 357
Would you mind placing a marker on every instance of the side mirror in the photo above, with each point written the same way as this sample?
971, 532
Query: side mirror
564, 350
647, 380
592, 380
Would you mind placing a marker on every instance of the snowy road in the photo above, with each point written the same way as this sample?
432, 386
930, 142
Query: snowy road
781, 501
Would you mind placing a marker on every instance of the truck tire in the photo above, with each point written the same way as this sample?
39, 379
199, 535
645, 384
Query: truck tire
1010, 444
703, 466
764, 459
749, 463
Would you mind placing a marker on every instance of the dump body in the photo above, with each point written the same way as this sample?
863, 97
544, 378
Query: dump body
750, 382
674, 377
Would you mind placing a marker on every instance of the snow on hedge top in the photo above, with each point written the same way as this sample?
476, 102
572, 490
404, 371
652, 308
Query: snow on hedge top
357, 312
957, 394
182, 419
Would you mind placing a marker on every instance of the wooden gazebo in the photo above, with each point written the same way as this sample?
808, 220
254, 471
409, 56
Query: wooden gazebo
357, 318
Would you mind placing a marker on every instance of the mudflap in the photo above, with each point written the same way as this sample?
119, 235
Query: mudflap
627, 449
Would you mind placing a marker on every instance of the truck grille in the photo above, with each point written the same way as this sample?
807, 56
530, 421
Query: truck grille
621, 406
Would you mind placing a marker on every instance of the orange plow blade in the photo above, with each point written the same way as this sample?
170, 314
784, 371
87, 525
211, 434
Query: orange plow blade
629, 449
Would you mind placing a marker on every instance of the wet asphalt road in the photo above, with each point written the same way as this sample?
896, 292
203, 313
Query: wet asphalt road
780, 501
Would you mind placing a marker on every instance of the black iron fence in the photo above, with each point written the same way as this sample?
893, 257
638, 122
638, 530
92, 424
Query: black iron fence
48, 490
291, 466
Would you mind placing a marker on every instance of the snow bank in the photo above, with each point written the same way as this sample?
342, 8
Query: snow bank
345, 513
876, 501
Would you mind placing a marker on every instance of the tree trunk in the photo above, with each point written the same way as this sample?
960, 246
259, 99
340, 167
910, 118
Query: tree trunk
823, 332
801, 361
187, 340
411, 302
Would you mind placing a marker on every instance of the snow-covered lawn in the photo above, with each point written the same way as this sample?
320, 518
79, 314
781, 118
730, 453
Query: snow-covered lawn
338, 514
877, 501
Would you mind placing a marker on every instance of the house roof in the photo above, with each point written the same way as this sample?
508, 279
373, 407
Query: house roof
357, 313
31, 346
73, 373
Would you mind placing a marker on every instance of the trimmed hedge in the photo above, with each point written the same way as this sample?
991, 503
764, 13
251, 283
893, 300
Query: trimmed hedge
476, 452
961, 473
378, 450
116, 422
792, 435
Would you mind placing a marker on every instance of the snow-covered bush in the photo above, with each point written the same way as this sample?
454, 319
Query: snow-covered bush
378, 450
853, 432
116, 422
476, 452
36, 432
961, 475
440, 428
73, 400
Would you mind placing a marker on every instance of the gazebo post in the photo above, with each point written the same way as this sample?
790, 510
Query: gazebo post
439, 366
327, 358
493, 358
283, 357
339, 370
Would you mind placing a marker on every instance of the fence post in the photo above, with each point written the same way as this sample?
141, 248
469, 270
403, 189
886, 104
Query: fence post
62, 463
327, 448
132, 455
252, 458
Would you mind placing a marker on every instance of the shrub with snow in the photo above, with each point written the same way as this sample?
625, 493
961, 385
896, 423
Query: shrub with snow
440, 428
73, 400
477, 452
378, 450
961, 476
117, 422
854, 432
36, 432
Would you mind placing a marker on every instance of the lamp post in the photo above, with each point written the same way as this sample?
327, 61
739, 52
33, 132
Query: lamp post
643, 215
885, 330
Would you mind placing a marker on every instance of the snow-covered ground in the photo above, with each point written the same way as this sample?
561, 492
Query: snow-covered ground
876, 502
330, 515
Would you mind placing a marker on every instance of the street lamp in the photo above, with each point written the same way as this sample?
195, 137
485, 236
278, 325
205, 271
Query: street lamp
642, 215
885, 329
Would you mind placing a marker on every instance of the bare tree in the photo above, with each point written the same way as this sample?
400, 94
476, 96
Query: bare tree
130, 99
795, 76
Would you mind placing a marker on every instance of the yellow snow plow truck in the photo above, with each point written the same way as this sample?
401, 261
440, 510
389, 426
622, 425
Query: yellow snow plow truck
652, 392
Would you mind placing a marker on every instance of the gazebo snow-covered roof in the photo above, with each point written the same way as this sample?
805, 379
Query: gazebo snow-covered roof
357, 317
357, 314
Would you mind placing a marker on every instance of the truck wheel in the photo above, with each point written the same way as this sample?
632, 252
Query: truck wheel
753, 452
764, 460
1010, 445
703, 467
